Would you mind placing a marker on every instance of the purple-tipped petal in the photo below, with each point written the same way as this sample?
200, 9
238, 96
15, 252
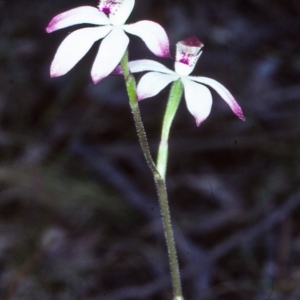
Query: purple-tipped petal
152, 83
79, 15
198, 100
110, 54
152, 34
74, 47
142, 65
223, 92
122, 13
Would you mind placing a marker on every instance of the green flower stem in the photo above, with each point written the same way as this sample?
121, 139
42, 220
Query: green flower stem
131, 91
158, 178
172, 106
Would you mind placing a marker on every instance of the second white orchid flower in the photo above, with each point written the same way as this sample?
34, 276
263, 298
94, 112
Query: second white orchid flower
109, 17
197, 95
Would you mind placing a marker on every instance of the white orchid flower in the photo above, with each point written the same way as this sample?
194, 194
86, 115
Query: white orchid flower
109, 18
197, 95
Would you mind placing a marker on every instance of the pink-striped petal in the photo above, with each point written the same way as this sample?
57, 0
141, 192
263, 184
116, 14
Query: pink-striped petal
74, 47
122, 13
110, 54
79, 15
152, 83
153, 35
223, 92
198, 100
142, 65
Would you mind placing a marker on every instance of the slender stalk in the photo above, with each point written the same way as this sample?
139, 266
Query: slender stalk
166, 217
158, 178
131, 91
172, 106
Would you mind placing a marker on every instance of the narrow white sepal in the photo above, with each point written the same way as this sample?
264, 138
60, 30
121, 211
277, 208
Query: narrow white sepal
122, 13
110, 53
198, 100
78, 15
153, 35
143, 65
74, 47
152, 83
223, 92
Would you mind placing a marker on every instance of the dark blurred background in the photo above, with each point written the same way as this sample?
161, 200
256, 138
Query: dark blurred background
79, 217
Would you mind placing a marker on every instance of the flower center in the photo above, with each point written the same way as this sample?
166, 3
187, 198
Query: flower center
109, 6
188, 51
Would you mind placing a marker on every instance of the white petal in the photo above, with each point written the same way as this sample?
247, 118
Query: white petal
223, 92
153, 35
79, 15
152, 83
142, 65
123, 12
198, 99
74, 47
110, 54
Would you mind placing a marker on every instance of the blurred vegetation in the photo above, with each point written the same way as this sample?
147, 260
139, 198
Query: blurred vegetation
79, 217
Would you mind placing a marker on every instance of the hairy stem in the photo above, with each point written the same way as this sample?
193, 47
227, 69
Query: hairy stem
158, 178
